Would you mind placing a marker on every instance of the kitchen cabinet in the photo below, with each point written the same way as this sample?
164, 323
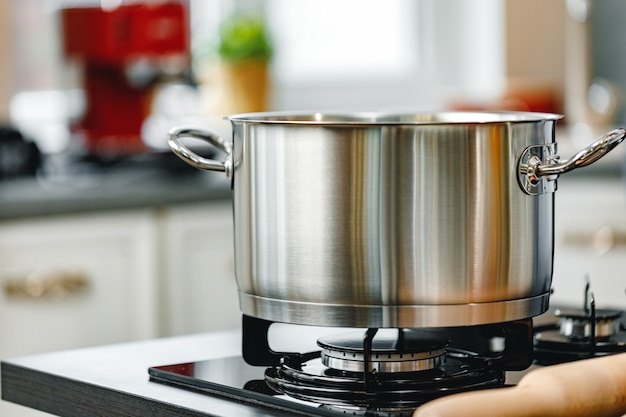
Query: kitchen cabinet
200, 292
71, 281
76, 281
590, 240
114, 276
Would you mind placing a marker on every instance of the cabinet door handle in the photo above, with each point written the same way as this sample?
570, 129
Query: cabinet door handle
43, 283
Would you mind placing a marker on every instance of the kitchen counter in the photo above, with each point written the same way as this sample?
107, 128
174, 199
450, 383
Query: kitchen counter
113, 380
90, 189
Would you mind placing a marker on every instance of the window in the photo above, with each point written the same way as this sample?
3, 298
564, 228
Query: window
372, 54
346, 54
342, 40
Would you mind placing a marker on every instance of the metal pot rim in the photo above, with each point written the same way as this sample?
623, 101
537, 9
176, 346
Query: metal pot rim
365, 118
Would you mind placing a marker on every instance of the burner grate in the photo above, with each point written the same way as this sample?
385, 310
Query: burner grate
312, 381
580, 334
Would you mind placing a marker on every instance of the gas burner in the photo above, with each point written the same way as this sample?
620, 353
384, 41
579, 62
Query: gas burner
389, 371
583, 325
386, 393
401, 350
580, 334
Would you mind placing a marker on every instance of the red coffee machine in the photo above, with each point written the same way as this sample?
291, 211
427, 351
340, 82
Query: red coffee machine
124, 51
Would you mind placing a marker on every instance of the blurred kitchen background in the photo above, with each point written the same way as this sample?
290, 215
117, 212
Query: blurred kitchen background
106, 237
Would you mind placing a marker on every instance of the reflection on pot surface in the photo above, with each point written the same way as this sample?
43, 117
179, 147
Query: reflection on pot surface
393, 220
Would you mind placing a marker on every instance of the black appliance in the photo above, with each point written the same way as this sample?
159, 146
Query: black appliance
390, 372
406, 367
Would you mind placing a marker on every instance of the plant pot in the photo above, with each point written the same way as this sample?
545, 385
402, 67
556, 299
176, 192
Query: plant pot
244, 86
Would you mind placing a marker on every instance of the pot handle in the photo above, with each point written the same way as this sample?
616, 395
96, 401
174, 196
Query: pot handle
537, 163
195, 160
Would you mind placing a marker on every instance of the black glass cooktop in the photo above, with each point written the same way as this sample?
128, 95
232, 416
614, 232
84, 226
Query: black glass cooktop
341, 392
234, 379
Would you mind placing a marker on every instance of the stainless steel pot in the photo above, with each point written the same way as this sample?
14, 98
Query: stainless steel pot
392, 220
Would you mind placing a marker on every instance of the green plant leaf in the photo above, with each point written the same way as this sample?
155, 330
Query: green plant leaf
244, 37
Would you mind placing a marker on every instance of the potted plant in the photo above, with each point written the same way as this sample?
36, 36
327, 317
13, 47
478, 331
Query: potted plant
245, 51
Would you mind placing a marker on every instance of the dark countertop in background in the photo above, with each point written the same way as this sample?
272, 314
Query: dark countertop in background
131, 184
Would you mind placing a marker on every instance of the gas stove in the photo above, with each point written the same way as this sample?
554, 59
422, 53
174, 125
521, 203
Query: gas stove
374, 372
390, 372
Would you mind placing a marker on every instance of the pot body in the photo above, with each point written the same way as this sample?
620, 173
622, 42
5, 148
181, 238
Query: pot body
375, 220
